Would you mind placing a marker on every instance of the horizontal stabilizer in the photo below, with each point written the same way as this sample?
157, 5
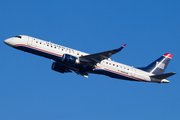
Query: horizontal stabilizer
163, 76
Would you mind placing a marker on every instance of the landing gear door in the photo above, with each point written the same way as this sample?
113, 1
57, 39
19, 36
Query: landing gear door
29, 41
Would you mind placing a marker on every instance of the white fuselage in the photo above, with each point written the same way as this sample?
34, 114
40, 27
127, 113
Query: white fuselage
106, 67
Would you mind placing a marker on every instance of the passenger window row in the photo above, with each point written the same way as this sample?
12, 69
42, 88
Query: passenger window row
57, 46
115, 65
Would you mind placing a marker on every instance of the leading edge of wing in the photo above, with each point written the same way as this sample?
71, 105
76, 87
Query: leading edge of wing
98, 57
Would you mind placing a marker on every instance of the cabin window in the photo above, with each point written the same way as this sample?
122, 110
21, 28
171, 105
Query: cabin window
73, 51
109, 63
113, 64
117, 66
36, 41
106, 62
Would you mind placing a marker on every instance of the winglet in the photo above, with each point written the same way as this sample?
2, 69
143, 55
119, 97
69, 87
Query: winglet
124, 45
119, 49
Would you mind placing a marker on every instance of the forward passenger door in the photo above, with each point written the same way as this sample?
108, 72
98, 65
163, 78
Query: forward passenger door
29, 41
133, 71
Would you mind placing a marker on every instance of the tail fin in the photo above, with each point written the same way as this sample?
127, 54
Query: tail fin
158, 66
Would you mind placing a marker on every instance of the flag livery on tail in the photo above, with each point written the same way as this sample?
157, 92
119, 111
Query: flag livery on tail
158, 66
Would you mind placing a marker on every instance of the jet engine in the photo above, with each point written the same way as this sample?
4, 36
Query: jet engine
59, 68
70, 59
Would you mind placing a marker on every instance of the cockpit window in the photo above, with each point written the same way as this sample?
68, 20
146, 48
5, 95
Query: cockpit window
18, 36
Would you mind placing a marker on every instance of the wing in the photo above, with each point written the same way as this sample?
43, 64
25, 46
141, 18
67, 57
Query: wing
98, 57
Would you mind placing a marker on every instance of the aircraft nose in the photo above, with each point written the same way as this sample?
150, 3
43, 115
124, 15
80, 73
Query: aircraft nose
7, 41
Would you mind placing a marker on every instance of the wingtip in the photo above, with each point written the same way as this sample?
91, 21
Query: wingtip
124, 45
174, 73
119, 49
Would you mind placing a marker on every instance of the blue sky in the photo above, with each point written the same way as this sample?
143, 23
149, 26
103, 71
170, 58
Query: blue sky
29, 89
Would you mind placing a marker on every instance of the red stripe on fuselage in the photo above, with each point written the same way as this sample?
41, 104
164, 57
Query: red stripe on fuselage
37, 49
123, 74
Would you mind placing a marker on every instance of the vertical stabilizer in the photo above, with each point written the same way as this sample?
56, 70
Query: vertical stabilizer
159, 66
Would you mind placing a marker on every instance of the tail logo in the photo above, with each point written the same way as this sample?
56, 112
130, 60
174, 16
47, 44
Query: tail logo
161, 66
158, 66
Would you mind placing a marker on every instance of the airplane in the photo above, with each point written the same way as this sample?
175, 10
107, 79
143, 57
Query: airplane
68, 60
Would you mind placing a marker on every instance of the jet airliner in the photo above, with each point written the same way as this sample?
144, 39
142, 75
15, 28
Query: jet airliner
68, 60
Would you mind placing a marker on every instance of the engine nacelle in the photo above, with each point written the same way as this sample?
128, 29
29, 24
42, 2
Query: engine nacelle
70, 59
59, 68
